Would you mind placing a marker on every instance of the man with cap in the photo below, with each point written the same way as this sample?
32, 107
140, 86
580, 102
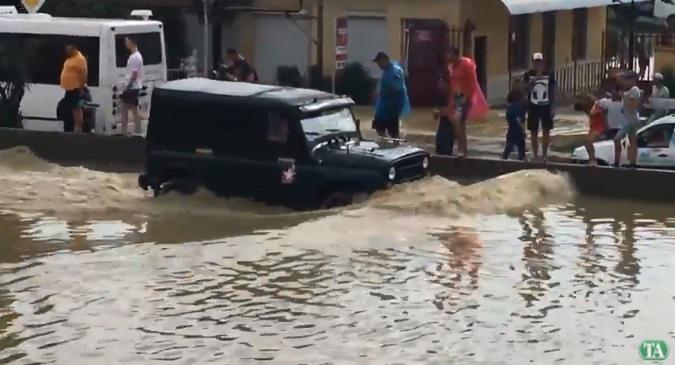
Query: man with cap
659, 91
632, 100
392, 101
540, 86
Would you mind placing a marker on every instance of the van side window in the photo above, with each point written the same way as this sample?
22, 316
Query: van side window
277, 128
149, 44
44, 54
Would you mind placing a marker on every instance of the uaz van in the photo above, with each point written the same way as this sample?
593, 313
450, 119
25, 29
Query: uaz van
290, 146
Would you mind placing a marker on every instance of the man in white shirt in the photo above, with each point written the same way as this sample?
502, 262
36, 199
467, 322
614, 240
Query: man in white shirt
134, 85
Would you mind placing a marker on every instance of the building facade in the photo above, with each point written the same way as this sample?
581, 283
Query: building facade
500, 35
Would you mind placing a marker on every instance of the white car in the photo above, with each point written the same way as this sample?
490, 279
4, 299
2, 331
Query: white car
656, 147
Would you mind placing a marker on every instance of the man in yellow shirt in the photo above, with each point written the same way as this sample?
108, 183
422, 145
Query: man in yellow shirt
74, 80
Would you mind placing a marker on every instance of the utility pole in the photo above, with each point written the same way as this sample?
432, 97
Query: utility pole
319, 37
206, 6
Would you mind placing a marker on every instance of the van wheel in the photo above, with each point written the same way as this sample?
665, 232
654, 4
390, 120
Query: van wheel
336, 200
183, 187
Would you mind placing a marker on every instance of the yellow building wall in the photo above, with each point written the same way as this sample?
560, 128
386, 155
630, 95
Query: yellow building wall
597, 24
492, 21
395, 11
664, 58
536, 33
563, 38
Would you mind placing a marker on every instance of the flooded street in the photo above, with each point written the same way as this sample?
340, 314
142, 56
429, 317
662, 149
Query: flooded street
513, 270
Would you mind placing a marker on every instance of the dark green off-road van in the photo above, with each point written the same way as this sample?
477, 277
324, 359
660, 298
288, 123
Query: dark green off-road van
289, 146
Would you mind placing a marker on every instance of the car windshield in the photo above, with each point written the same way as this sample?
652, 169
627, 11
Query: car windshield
333, 121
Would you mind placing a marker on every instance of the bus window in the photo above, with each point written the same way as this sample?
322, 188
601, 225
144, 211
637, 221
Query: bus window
149, 44
44, 55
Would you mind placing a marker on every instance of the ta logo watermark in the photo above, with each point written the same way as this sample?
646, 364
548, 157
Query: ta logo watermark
654, 350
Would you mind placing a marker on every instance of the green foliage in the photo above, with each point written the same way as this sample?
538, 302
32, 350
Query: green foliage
316, 79
355, 81
13, 84
669, 79
289, 76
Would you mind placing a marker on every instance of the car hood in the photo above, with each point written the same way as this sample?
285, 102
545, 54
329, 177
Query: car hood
368, 154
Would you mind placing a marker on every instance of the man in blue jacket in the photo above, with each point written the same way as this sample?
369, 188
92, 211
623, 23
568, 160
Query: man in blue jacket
392, 101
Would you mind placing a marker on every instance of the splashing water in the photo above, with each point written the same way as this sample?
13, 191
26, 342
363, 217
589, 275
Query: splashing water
32, 184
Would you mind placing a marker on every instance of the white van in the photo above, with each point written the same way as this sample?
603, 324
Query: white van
101, 41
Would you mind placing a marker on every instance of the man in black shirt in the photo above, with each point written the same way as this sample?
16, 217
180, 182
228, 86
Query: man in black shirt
238, 68
540, 86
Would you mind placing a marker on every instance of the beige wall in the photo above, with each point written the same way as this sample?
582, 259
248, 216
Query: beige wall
663, 58
395, 11
491, 20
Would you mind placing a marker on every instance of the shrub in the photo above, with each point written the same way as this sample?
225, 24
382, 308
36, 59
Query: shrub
317, 80
13, 84
355, 81
289, 76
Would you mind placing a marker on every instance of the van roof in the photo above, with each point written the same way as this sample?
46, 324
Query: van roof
286, 95
41, 18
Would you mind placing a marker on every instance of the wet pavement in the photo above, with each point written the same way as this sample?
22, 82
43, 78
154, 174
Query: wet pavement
487, 137
514, 270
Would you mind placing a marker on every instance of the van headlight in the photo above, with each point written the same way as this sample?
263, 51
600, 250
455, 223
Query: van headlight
392, 173
425, 163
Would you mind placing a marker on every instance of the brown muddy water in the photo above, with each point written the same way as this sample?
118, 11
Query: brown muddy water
514, 270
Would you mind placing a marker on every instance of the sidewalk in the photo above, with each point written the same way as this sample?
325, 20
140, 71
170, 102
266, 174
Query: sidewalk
486, 137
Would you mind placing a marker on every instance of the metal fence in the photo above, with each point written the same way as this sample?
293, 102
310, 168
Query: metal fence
639, 55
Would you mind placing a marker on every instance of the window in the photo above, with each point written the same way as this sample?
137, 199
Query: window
44, 54
149, 44
277, 131
579, 34
521, 41
656, 137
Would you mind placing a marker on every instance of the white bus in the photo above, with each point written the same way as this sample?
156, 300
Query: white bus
42, 38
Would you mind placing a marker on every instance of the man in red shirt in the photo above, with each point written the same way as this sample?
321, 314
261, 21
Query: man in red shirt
463, 81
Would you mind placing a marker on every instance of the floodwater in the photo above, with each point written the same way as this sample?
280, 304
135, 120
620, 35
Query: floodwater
514, 270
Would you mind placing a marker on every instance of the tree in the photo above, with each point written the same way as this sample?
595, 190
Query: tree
13, 83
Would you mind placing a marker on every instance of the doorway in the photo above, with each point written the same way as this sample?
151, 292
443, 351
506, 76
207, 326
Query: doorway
480, 57
548, 40
425, 43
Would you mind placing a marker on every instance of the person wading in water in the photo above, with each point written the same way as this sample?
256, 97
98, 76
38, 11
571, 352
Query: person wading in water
392, 101
466, 98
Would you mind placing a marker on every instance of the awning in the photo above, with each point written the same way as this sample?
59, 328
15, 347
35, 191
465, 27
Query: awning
516, 7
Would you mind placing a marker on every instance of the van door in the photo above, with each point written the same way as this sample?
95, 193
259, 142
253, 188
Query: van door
655, 147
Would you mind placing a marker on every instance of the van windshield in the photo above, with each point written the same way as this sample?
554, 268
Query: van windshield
326, 122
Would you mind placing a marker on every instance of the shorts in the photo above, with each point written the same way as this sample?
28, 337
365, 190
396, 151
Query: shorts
74, 99
388, 125
609, 134
627, 130
130, 97
445, 137
539, 114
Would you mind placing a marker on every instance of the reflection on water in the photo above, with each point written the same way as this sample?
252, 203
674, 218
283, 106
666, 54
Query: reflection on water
93, 271
576, 283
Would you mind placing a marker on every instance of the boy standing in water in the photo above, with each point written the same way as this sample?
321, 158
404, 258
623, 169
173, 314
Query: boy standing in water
515, 116
445, 135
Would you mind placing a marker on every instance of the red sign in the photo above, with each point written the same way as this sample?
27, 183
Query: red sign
341, 43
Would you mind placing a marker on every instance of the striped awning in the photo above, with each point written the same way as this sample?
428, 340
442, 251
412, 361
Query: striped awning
516, 7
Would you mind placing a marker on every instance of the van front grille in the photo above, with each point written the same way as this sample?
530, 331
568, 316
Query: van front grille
409, 169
